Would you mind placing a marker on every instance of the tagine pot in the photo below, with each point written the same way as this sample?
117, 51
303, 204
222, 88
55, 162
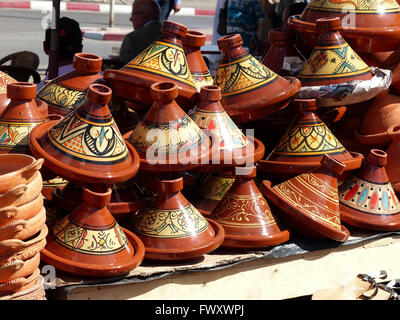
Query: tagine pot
167, 139
192, 44
89, 242
367, 199
171, 228
164, 60
304, 145
245, 215
309, 202
235, 149
249, 89
67, 92
86, 147
383, 112
368, 27
393, 155
283, 57
332, 60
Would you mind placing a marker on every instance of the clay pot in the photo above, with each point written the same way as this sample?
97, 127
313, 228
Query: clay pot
235, 149
18, 268
367, 199
36, 292
167, 139
23, 229
309, 202
332, 61
368, 28
382, 113
17, 169
67, 92
24, 212
164, 60
172, 229
86, 147
249, 89
305, 143
246, 217
393, 154
282, 52
19, 117
89, 242
19, 284
12, 249
192, 44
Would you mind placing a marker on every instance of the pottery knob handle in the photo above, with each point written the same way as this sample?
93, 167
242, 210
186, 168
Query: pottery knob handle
21, 91
169, 186
194, 39
248, 172
229, 41
8, 212
164, 91
96, 199
377, 157
303, 105
394, 132
177, 29
280, 35
87, 62
210, 93
328, 24
99, 94
333, 165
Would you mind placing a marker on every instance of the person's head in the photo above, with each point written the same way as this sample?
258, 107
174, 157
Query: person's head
144, 11
69, 39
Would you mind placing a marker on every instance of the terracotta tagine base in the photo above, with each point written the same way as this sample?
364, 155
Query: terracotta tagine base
172, 229
89, 242
67, 92
367, 199
309, 202
164, 60
303, 146
249, 89
246, 217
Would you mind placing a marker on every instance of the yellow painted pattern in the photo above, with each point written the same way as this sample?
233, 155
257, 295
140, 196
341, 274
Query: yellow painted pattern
4, 80
359, 6
62, 97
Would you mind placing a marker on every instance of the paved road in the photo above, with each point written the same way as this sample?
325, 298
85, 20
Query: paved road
22, 30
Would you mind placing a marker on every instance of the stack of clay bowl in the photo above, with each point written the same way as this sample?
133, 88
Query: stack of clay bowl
22, 227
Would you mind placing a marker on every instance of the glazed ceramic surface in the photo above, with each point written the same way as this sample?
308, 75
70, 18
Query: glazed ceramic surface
249, 89
67, 92
367, 199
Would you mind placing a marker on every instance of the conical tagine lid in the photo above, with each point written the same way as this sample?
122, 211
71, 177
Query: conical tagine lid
67, 92
305, 143
332, 61
164, 60
19, 117
192, 44
234, 146
5, 79
172, 229
89, 242
310, 202
249, 89
367, 199
369, 26
86, 145
246, 216
167, 138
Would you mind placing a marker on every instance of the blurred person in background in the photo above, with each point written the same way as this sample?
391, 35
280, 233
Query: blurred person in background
167, 6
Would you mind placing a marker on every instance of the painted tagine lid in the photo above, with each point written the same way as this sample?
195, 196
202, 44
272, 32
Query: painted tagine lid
305, 143
367, 199
309, 202
192, 44
19, 117
171, 228
383, 112
89, 242
167, 139
67, 92
234, 147
332, 61
246, 216
371, 26
86, 147
164, 60
249, 89
283, 57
